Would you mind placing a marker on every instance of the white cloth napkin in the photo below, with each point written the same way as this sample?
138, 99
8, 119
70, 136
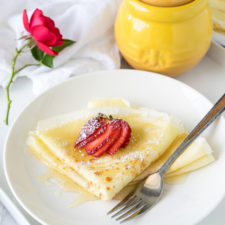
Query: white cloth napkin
88, 22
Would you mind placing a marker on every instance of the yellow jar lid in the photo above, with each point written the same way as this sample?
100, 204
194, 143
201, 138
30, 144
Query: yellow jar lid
166, 14
166, 3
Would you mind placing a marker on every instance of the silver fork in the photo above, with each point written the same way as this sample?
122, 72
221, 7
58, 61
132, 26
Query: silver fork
148, 192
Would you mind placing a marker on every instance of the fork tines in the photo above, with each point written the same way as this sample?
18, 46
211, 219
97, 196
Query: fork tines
130, 207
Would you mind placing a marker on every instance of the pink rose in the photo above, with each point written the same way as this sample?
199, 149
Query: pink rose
43, 31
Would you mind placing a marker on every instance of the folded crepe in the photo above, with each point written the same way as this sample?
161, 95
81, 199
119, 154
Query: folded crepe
218, 14
152, 133
155, 136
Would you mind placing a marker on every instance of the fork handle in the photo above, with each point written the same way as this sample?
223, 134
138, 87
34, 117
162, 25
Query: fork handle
216, 110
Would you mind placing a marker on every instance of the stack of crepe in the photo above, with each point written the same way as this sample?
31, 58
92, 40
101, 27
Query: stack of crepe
218, 14
155, 135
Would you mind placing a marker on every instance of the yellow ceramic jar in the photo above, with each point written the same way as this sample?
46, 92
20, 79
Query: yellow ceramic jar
168, 40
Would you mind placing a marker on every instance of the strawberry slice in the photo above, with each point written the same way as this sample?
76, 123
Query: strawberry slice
123, 139
103, 134
91, 129
112, 139
105, 140
99, 132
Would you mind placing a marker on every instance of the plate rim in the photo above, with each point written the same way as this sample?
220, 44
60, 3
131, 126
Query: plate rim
83, 76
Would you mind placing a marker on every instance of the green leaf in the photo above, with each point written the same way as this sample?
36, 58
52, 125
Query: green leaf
64, 45
37, 53
48, 61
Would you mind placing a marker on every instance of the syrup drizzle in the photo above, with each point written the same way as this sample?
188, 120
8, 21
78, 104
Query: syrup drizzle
52, 177
81, 196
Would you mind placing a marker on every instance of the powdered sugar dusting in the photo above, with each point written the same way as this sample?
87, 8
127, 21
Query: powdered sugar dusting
89, 128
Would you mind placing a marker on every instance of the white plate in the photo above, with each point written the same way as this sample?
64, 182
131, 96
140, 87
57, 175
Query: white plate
219, 38
184, 204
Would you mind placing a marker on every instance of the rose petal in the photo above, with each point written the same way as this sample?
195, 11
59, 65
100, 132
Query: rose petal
55, 30
58, 42
37, 18
42, 34
50, 23
46, 49
25, 20
57, 33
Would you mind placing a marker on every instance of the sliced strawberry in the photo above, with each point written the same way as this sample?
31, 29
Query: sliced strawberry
97, 143
126, 142
104, 138
91, 128
112, 139
123, 139
127, 133
103, 134
99, 132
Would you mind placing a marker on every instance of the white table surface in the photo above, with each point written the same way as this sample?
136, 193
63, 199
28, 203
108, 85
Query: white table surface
5, 218
210, 84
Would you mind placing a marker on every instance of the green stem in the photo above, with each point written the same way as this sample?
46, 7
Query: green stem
23, 67
13, 73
